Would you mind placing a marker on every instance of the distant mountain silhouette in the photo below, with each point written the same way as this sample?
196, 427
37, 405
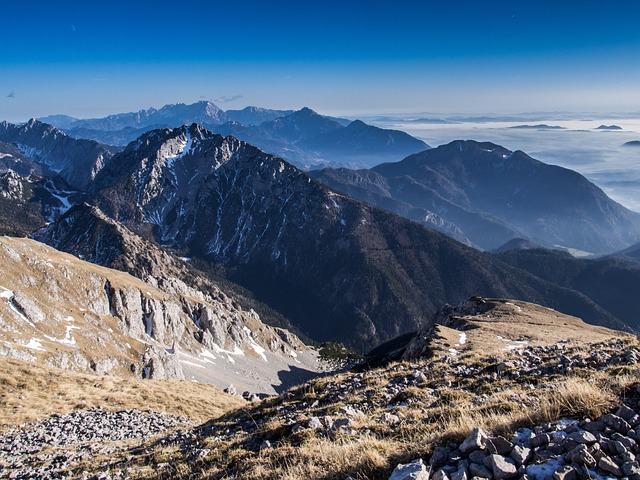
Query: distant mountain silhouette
489, 195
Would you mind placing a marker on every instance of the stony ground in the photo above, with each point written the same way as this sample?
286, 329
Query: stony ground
363, 425
46, 449
479, 406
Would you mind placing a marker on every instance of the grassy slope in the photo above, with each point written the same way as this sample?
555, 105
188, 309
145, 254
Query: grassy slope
29, 392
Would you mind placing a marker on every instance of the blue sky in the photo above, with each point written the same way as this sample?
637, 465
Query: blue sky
338, 57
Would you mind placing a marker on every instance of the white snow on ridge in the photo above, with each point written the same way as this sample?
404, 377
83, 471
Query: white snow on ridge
185, 148
6, 293
463, 338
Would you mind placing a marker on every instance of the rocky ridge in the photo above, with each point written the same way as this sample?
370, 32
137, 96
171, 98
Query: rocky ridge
76, 161
493, 195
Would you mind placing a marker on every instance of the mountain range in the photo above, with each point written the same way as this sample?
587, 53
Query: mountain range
333, 267
302, 137
485, 195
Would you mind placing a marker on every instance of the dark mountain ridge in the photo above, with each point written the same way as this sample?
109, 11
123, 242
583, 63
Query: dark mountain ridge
613, 282
492, 195
339, 269
77, 161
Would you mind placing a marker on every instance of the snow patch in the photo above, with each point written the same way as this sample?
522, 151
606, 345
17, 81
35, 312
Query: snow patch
516, 343
514, 306
463, 338
543, 471
184, 149
454, 352
6, 293
35, 344
236, 350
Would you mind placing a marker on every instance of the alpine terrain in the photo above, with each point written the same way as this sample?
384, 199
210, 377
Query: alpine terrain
351, 342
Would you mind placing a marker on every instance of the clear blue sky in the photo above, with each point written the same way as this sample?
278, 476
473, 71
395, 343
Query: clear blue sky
340, 57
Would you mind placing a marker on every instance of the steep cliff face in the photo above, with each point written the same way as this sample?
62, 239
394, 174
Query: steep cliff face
62, 311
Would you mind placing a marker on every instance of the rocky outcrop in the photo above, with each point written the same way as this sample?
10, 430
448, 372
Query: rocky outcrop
71, 314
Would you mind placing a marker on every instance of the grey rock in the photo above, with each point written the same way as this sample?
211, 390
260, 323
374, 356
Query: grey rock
631, 468
478, 456
440, 475
415, 470
540, 439
315, 423
502, 467
616, 423
265, 445
520, 454
626, 441
499, 445
477, 470
440, 457
583, 436
608, 465
625, 413
389, 418
581, 456
477, 440
594, 427
565, 472
340, 422
460, 475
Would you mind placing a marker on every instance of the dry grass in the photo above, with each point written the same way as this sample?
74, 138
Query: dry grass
427, 422
30, 392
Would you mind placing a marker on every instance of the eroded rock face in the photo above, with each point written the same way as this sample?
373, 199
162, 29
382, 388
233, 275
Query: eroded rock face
70, 314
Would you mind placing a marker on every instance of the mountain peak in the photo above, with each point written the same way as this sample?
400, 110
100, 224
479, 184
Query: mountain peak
358, 124
306, 111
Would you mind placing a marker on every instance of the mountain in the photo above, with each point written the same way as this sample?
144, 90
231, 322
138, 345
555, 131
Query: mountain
632, 252
30, 202
304, 137
114, 138
76, 161
493, 195
256, 115
310, 140
172, 115
517, 244
408, 198
338, 269
359, 142
632, 143
613, 282
300, 125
